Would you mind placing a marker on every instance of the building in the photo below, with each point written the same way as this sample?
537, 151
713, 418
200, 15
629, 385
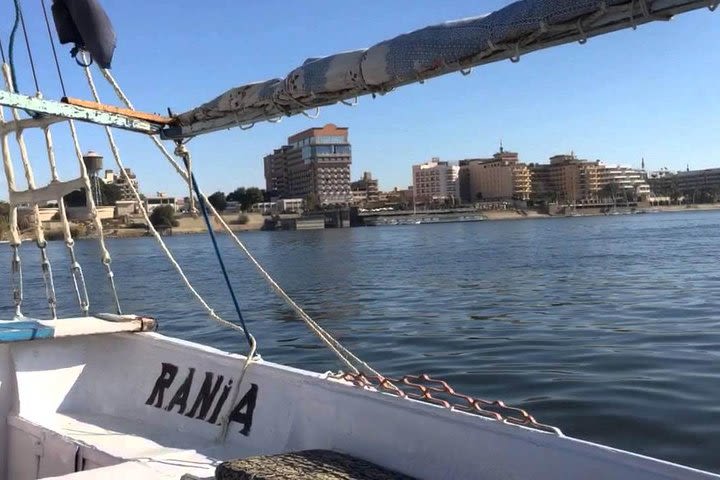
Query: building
464, 181
571, 180
694, 185
290, 205
110, 177
315, 164
698, 180
568, 179
365, 190
436, 181
264, 208
502, 177
151, 203
627, 179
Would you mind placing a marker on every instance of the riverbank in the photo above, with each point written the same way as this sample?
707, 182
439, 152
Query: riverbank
595, 212
188, 225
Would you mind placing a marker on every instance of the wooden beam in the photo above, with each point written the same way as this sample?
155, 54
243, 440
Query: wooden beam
75, 112
150, 117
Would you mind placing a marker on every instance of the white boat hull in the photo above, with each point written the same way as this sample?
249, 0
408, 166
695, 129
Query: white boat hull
130, 405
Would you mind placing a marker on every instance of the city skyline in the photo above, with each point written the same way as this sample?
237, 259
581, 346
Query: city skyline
595, 99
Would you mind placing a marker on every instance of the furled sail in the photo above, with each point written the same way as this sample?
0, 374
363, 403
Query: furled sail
519, 28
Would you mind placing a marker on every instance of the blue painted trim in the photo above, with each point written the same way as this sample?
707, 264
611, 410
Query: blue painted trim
24, 330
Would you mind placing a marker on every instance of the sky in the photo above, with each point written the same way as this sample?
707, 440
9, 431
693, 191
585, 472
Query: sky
650, 93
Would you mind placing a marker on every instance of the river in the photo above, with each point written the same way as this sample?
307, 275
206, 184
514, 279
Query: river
607, 327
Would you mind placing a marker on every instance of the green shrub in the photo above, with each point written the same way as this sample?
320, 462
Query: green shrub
164, 216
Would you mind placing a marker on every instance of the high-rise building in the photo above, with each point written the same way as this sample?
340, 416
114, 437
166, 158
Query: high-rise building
314, 165
435, 181
573, 180
501, 177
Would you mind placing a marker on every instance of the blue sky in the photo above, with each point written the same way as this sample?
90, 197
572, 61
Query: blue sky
649, 93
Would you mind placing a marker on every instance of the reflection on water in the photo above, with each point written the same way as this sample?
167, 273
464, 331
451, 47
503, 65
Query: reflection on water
606, 327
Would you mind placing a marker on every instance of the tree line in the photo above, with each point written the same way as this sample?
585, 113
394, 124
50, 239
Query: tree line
245, 197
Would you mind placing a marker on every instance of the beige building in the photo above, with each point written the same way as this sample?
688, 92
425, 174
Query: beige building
314, 164
627, 178
502, 177
435, 181
365, 190
568, 179
573, 180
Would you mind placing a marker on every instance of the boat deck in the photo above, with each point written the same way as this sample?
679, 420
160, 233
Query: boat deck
142, 404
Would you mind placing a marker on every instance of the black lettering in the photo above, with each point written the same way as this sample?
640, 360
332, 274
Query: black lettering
247, 402
206, 396
181, 396
163, 382
221, 402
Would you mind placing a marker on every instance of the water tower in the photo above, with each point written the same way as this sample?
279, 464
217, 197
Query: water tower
94, 164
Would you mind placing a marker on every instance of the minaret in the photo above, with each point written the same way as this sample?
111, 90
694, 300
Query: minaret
502, 150
688, 168
643, 163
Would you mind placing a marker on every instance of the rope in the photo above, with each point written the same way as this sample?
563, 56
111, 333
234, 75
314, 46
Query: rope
152, 229
11, 44
182, 150
97, 223
54, 51
39, 233
225, 419
342, 353
27, 46
75, 268
16, 264
2, 52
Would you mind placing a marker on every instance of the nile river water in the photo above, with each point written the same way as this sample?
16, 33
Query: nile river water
607, 327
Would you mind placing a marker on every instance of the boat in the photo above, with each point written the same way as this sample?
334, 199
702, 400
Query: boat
103, 396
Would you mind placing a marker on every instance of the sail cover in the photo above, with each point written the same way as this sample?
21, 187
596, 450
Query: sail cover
519, 28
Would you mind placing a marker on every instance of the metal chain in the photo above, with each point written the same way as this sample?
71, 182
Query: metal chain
438, 392
17, 280
48, 279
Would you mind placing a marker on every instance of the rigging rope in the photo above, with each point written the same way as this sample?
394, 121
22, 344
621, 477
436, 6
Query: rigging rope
225, 419
30, 178
341, 352
2, 51
54, 51
11, 44
75, 268
152, 229
182, 151
27, 46
16, 263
